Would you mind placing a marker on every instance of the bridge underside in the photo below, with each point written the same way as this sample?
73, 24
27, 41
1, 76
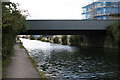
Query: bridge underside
94, 38
65, 32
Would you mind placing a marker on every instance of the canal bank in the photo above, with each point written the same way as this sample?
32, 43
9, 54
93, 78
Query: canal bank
42, 74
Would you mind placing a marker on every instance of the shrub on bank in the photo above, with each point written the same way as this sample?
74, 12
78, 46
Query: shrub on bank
32, 37
39, 38
113, 31
44, 40
76, 40
73, 40
56, 40
21, 46
64, 39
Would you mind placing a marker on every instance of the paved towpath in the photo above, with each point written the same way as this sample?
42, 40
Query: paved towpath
21, 66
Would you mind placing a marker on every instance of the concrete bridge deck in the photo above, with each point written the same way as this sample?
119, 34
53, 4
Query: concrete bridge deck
67, 26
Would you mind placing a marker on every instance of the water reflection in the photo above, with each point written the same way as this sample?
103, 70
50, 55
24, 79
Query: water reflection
67, 62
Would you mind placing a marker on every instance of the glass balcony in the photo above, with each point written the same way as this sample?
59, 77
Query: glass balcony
98, 9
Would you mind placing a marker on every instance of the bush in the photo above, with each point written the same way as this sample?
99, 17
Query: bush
73, 40
45, 40
76, 40
113, 31
39, 38
56, 40
21, 46
32, 37
64, 40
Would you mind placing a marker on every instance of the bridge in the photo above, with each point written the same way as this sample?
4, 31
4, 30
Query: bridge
67, 26
93, 30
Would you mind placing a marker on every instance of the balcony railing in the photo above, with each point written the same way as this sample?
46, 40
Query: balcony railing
90, 9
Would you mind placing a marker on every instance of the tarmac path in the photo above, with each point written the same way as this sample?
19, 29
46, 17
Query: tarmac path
21, 66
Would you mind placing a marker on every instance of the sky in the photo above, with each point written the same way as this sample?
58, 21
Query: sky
53, 9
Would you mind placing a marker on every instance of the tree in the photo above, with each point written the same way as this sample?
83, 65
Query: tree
13, 22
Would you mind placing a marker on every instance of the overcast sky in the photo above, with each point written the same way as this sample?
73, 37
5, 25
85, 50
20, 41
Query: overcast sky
53, 9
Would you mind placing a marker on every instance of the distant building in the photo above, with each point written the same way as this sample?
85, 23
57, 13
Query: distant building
101, 9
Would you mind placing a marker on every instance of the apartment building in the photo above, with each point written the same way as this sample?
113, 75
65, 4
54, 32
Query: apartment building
101, 9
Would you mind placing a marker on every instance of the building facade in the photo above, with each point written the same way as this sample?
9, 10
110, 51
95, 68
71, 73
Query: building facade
101, 9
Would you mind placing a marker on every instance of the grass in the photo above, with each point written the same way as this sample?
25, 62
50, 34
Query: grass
41, 73
21, 46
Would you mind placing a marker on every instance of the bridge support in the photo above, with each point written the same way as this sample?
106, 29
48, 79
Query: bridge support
95, 40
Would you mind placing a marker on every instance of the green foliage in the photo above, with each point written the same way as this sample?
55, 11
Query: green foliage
32, 37
113, 31
12, 18
13, 22
64, 39
21, 46
45, 40
39, 38
56, 40
41, 73
76, 40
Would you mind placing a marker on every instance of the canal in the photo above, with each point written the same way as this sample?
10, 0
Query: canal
69, 62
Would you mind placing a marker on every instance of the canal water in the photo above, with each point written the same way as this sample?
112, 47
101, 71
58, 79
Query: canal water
63, 62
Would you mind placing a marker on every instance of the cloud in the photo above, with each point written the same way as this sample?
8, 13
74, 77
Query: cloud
52, 9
